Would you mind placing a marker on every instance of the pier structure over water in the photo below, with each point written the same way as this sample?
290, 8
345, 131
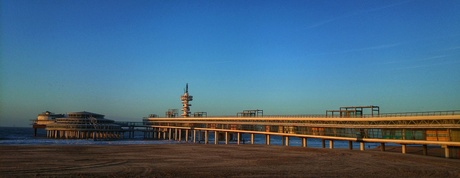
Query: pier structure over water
440, 128
84, 125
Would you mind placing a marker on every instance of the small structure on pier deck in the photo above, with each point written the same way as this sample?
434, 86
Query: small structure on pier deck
251, 113
353, 111
84, 125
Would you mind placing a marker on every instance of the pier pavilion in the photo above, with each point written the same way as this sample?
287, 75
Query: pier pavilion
44, 119
84, 125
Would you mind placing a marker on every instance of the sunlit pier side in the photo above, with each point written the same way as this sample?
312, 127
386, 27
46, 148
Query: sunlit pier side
416, 128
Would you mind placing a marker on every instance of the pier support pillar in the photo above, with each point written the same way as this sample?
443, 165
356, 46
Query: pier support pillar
382, 146
186, 135
216, 137
226, 138
446, 151
252, 138
403, 149
361, 146
194, 136
238, 138
331, 144
169, 133
267, 139
179, 135
425, 150
350, 145
206, 135
287, 140
323, 143
304, 142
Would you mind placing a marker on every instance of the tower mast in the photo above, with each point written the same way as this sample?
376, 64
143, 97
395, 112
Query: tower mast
185, 98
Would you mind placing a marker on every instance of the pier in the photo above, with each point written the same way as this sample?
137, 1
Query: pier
440, 128
352, 124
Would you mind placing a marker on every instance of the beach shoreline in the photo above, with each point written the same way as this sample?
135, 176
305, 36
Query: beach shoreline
199, 160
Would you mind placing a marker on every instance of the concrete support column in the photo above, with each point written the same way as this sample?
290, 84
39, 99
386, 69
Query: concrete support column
206, 134
304, 142
226, 138
446, 151
382, 146
267, 139
186, 134
331, 144
361, 146
403, 149
238, 138
169, 133
194, 136
175, 133
252, 138
323, 143
425, 150
350, 145
216, 137
179, 135
287, 141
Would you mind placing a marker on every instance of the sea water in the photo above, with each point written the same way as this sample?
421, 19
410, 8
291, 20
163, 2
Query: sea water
25, 136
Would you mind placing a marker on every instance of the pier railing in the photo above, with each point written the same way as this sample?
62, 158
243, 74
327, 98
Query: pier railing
402, 114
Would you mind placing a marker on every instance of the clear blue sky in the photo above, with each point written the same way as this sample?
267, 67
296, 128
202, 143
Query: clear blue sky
128, 59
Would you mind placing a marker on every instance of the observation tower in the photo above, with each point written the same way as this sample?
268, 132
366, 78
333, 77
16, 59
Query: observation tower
185, 98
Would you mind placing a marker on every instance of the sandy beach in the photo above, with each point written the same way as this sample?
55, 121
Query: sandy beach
197, 160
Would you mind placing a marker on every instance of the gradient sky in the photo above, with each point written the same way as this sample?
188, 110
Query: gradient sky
128, 59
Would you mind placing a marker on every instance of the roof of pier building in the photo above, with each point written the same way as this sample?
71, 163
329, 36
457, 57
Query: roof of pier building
84, 114
83, 121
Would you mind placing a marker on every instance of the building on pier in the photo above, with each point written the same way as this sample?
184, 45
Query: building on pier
84, 125
44, 119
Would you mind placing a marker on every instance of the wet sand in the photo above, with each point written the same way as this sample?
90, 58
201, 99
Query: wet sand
198, 160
